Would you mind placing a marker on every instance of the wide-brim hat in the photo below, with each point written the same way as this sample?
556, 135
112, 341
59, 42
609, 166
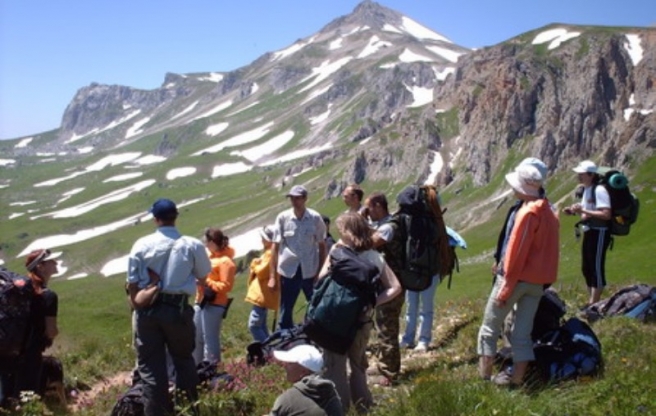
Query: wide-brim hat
39, 256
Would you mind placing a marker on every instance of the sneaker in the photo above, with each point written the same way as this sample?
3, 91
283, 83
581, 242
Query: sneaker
504, 379
421, 347
404, 345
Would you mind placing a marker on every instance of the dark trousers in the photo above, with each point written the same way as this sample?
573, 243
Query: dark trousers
158, 328
290, 288
593, 249
22, 374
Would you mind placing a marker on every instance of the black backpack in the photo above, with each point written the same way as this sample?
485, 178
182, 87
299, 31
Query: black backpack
569, 352
16, 295
333, 314
132, 402
258, 353
422, 244
624, 205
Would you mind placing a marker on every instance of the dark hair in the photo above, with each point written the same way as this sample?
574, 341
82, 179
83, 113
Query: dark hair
378, 198
356, 190
216, 235
326, 219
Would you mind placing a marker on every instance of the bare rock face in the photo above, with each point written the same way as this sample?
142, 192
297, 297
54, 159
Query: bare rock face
581, 99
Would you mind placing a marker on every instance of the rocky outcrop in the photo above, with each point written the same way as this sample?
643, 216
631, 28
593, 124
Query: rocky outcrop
560, 105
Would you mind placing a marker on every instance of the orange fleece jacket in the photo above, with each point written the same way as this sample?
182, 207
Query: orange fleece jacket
222, 277
533, 247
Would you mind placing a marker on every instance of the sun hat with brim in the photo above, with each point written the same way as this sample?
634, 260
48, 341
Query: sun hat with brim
305, 355
538, 164
526, 179
587, 166
267, 233
39, 256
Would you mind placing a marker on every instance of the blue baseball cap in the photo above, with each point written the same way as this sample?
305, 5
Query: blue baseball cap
164, 208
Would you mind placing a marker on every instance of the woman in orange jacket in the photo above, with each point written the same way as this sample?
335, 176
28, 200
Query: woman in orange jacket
263, 292
529, 262
212, 297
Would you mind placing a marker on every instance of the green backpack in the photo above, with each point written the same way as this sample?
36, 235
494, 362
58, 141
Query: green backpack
625, 205
333, 315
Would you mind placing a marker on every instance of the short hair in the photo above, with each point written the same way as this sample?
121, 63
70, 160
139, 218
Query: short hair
216, 235
356, 190
378, 198
357, 228
326, 219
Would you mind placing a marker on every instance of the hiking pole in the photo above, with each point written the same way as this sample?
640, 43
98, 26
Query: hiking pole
275, 318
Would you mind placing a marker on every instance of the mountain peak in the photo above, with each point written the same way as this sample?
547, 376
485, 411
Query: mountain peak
368, 13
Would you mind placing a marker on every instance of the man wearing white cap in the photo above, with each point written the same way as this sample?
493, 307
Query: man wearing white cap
298, 251
311, 394
529, 261
595, 212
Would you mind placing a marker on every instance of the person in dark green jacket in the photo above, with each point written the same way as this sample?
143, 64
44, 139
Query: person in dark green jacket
311, 394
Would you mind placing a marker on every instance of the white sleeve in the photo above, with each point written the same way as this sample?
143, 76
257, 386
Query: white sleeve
602, 199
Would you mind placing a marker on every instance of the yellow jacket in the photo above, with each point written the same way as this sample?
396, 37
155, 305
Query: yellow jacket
222, 277
258, 292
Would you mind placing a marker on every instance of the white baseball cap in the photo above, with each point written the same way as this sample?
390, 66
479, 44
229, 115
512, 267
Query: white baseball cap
306, 355
587, 166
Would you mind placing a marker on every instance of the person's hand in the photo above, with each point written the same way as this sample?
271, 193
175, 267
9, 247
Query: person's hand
154, 277
272, 284
577, 208
568, 211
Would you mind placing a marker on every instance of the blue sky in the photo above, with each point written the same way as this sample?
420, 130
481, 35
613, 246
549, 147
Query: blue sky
49, 49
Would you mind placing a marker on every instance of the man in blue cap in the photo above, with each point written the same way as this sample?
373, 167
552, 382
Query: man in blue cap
166, 323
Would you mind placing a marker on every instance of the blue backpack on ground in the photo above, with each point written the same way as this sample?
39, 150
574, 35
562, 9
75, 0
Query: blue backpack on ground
569, 352
334, 312
16, 294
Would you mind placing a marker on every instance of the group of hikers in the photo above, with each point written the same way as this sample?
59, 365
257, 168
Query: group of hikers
167, 269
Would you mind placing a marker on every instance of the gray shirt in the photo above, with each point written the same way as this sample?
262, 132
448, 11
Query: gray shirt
298, 241
178, 260
384, 228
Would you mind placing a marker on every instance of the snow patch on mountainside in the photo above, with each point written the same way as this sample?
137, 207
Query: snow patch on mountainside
373, 46
421, 32
136, 128
222, 106
216, 129
23, 143
186, 110
408, 56
323, 71
555, 36
634, 48
180, 173
123, 177
445, 53
422, 96
228, 169
243, 138
266, 148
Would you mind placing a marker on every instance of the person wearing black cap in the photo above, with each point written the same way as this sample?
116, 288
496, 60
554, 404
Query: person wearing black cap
298, 251
167, 324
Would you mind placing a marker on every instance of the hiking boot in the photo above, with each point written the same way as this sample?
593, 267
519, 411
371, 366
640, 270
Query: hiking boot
421, 347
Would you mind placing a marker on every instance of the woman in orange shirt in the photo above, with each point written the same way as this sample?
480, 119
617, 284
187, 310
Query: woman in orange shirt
212, 297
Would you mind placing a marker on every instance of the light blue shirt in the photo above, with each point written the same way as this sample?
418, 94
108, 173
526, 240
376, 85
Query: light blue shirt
178, 260
298, 241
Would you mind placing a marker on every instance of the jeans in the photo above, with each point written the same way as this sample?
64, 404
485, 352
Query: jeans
257, 323
290, 288
157, 328
421, 302
208, 322
527, 297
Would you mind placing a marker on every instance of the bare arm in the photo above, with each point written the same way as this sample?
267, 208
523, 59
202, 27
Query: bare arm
51, 327
273, 271
391, 285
